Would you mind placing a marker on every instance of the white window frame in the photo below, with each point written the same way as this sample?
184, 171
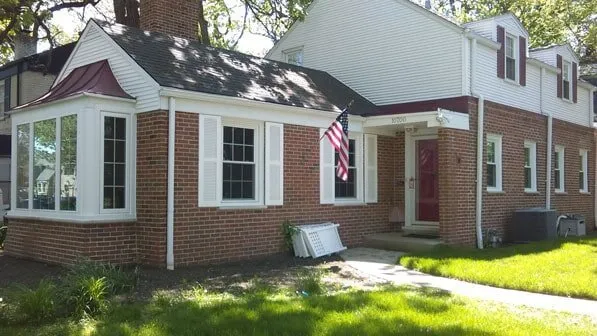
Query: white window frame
566, 76
127, 165
258, 157
294, 51
584, 163
532, 147
359, 192
559, 166
497, 140
515, 57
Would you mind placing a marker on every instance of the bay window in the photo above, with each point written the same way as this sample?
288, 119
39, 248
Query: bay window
73, 161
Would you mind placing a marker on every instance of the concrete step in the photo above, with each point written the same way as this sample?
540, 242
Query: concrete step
397, 241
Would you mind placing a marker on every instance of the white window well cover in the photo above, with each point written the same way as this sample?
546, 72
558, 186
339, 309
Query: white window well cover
317, 240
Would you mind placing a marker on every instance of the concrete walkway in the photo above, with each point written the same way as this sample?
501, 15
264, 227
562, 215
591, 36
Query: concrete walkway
382, 264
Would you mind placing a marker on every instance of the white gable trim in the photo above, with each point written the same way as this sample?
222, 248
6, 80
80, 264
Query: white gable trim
514, 18
290, 30
146, 97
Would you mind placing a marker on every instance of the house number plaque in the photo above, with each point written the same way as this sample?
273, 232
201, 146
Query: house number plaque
398, 120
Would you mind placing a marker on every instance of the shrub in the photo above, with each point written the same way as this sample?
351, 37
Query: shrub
288, 230
38, 303
310, 282
89, 296
118, 280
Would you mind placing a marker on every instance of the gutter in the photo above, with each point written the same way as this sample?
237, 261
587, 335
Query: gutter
480, 143
170, 207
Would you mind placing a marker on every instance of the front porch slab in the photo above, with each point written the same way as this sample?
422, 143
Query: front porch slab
398, 241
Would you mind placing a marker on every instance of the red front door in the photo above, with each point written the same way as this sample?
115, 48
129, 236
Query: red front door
427, 186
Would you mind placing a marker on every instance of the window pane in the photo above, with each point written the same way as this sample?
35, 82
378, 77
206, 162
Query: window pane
491, 176
239, 135
249, 136
557, 179
510, 68
238, 153
347, 189
580, 161
68, 163
527, 178
23, 166
490, 151
581, 180
120, 124
527, 156
119, 151
566, 87
114, 163
556, 160
44, 164
249, 157
227, 134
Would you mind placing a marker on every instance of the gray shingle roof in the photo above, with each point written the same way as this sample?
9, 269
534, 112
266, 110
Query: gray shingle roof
179, 63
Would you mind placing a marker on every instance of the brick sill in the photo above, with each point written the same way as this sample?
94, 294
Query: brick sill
495, 192
532, 192
585, 192
561, 193
349, 203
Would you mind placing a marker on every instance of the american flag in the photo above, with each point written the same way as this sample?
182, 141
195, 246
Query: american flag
337, 133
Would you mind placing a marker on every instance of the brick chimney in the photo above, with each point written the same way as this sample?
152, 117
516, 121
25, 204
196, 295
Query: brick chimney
175, 17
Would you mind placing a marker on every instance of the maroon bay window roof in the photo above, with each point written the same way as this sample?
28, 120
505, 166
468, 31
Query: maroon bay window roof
94, 78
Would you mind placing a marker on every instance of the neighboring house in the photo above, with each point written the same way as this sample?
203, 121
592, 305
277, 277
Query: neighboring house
203, 153
21, 81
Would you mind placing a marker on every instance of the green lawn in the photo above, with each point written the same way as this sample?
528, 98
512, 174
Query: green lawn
560, 267
389, 311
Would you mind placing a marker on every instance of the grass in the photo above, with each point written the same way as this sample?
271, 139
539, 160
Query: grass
558, 267
388, 311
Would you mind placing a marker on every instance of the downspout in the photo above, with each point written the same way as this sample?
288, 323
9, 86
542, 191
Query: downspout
549, 142
170, 211
480, 144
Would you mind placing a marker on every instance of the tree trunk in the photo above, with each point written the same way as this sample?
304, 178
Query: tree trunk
127, 12
204, 38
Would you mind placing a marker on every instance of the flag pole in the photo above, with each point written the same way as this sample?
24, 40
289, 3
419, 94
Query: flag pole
346, 108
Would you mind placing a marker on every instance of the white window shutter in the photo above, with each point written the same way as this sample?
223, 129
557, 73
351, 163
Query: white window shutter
327, 176
274, 164
370, 168
210, 163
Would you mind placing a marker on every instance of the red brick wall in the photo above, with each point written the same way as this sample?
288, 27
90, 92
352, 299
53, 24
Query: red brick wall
152, 178
458, 160
211, 235
63, 243
174, 17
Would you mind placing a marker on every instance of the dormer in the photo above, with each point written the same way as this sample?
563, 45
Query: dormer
565, 59
510, 33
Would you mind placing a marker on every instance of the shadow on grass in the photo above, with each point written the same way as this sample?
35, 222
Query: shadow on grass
356, 313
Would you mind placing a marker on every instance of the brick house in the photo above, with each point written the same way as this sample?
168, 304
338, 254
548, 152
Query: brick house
201, 153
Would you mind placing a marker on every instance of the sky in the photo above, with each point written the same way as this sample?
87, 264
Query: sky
70, 22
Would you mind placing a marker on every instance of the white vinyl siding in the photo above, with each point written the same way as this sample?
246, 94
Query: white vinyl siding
583, 173
95, 45
494, 162
337, 36
559, 171
530, 166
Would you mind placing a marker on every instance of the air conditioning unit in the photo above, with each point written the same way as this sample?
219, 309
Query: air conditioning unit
574, 225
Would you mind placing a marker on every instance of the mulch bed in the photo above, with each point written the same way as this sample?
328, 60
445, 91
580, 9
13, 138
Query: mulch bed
277, 270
